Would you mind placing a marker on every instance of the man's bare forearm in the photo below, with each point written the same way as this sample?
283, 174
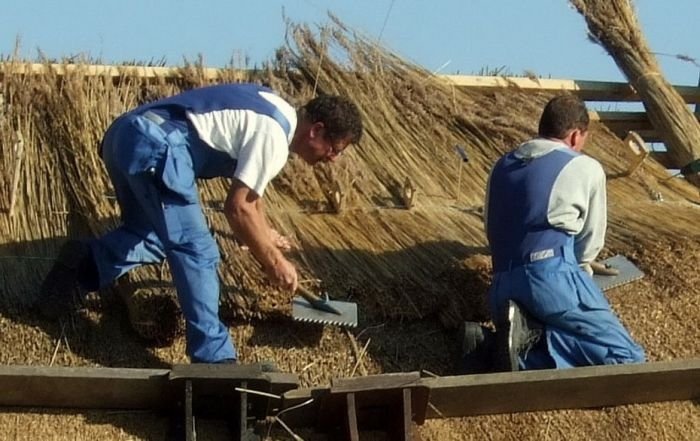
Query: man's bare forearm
251, 228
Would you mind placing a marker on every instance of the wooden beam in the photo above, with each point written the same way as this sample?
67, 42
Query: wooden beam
124, 388
586, 90
89, 388
92, 70
622, 122
584, 387
664, 159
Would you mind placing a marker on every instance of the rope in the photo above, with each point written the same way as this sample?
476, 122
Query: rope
386, 19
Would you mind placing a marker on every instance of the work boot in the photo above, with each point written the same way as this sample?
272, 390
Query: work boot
516, 334
476, 343
60, 291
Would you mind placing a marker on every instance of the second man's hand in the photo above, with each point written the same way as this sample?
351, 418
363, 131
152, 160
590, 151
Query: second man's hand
284, 243
602, 269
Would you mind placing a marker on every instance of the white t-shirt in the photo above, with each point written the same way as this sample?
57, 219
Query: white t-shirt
256, 141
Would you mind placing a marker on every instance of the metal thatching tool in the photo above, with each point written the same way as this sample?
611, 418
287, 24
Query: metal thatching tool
308, 307
628, 272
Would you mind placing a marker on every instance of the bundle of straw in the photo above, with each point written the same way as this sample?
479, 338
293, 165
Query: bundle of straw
613, 24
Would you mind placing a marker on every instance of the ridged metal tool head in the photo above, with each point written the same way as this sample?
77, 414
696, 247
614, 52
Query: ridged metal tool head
345, 314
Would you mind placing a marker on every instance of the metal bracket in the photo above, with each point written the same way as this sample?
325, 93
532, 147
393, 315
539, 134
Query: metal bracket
242, 395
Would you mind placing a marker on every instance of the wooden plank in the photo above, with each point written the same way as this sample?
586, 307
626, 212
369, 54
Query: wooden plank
92, 70
375, 382
648, 136
595, 386
586, 90
403, 418
633, 120
190, 430
584, 387
622, 122
663, 158
352, 432
93, 388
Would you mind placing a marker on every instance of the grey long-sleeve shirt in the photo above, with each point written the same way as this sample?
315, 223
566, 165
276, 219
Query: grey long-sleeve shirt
577, 201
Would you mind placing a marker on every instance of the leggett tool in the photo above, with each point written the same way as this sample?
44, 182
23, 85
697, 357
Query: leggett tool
309, 307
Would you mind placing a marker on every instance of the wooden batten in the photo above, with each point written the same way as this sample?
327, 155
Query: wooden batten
586, 90
584, 387
82, 388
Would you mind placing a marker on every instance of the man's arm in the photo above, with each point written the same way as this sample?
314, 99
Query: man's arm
577, 206
280, 241
248, 221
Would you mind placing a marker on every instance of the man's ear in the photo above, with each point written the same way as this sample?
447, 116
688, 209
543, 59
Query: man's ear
577, 139
316, 130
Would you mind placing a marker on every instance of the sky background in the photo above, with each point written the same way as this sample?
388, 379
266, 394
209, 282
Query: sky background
545, 37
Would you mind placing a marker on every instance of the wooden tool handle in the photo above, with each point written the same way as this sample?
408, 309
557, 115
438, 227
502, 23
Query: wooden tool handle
308, 295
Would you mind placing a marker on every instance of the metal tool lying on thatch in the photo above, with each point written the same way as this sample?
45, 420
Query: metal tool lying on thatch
308, 307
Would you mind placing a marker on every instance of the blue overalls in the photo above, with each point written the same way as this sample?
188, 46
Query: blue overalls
534, 265
154, 156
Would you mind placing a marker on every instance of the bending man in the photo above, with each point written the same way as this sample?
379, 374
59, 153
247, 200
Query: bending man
155, 153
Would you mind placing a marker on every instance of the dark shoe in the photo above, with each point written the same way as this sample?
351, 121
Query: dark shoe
475, 348
60, 290
227, 361
516, 333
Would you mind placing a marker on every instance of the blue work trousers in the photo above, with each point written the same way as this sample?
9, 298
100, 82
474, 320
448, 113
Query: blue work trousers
580, 327
152, 173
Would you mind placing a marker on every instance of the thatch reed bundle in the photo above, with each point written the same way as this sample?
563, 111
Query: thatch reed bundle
398, 264
613, 24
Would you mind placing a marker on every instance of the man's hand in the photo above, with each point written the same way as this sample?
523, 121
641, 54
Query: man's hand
283, 274
602, 269
243, 209
281, 242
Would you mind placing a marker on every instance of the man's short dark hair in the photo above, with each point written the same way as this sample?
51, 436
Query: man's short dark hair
339, 116
562, 114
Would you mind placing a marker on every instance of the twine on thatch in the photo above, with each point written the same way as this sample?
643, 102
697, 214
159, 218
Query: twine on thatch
613, 24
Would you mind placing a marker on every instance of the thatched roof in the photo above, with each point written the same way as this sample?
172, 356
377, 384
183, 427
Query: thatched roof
397, 263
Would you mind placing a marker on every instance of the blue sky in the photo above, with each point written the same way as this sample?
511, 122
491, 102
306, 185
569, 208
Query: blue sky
546, 37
